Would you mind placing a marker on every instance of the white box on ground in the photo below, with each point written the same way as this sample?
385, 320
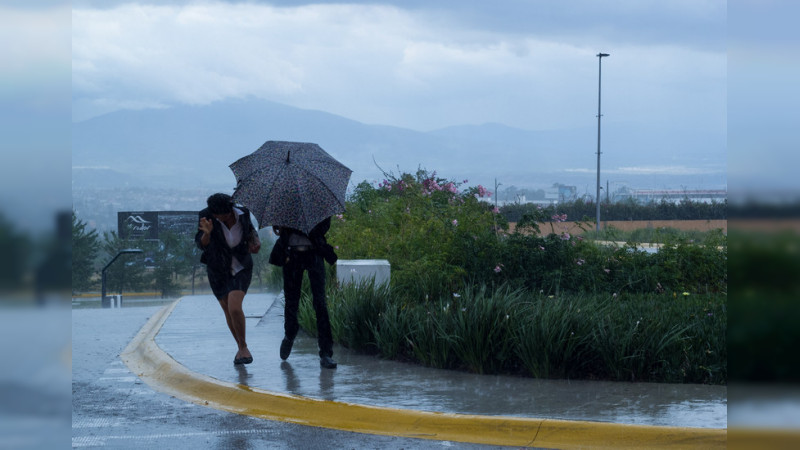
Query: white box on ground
363, 270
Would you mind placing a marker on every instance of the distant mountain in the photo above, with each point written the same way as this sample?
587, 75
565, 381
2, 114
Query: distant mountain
191, 146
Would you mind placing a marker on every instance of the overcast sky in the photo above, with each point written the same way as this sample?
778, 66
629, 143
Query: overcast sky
523, 63
416, 64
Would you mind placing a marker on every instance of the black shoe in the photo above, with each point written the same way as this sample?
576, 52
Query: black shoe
286, 347
243, 360
327, 362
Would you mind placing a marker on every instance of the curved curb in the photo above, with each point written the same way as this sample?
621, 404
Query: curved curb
159, 370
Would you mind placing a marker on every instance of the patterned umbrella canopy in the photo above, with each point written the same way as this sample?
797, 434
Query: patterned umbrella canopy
291, 184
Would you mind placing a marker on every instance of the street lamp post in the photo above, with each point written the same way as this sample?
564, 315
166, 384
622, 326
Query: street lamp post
496, 194
124, 251
599, 72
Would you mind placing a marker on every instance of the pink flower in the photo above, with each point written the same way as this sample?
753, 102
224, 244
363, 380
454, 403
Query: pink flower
431, 185
495, 210
483, 192
497, 269
565, 236
455, 222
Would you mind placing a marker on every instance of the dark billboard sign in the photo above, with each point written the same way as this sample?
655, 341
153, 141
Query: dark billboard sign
148, 224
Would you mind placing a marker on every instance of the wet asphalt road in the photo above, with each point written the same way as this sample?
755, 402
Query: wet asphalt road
34, 377
113, 408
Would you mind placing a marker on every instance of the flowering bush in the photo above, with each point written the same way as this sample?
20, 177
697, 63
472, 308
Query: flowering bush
434, 232
438, 236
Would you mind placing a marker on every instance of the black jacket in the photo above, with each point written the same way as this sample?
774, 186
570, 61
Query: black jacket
318, 242
218, 256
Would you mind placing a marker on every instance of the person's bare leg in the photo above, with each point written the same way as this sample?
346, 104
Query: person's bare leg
235, 300
223, 302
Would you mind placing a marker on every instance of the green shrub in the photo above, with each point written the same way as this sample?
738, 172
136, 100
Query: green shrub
354, 307
465, 294
434, 235
641, 337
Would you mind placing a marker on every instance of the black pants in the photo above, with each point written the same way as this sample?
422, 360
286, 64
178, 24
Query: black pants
312, 263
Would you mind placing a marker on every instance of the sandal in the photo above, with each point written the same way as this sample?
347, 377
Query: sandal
243, 360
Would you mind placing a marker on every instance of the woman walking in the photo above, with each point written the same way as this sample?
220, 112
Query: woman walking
227, 236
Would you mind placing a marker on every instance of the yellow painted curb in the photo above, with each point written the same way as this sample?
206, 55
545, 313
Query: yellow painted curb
164, 374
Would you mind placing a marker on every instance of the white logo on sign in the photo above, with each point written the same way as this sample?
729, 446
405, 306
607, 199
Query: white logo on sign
137, 223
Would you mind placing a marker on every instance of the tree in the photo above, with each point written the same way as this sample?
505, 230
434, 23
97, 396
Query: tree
128, 271
16, 250
85, 248
174, 257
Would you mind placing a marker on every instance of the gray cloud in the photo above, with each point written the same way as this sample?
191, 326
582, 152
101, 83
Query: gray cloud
418, 66
34, 112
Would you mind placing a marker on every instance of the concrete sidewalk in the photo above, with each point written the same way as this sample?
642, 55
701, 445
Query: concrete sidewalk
187, 351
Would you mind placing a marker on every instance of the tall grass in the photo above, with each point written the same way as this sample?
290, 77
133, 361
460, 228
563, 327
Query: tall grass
554, 335
640, 337
391, 330
482, 327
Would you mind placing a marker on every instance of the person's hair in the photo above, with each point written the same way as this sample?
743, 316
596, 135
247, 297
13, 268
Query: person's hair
220, 203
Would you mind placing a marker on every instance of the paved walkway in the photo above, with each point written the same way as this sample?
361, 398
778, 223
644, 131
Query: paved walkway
187, 351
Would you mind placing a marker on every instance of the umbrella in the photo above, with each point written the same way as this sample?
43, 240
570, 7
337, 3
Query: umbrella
291, 184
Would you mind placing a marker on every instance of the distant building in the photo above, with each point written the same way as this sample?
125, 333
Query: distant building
560, 193
671, 196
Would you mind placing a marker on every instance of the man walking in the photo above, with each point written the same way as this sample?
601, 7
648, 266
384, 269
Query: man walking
297, 252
